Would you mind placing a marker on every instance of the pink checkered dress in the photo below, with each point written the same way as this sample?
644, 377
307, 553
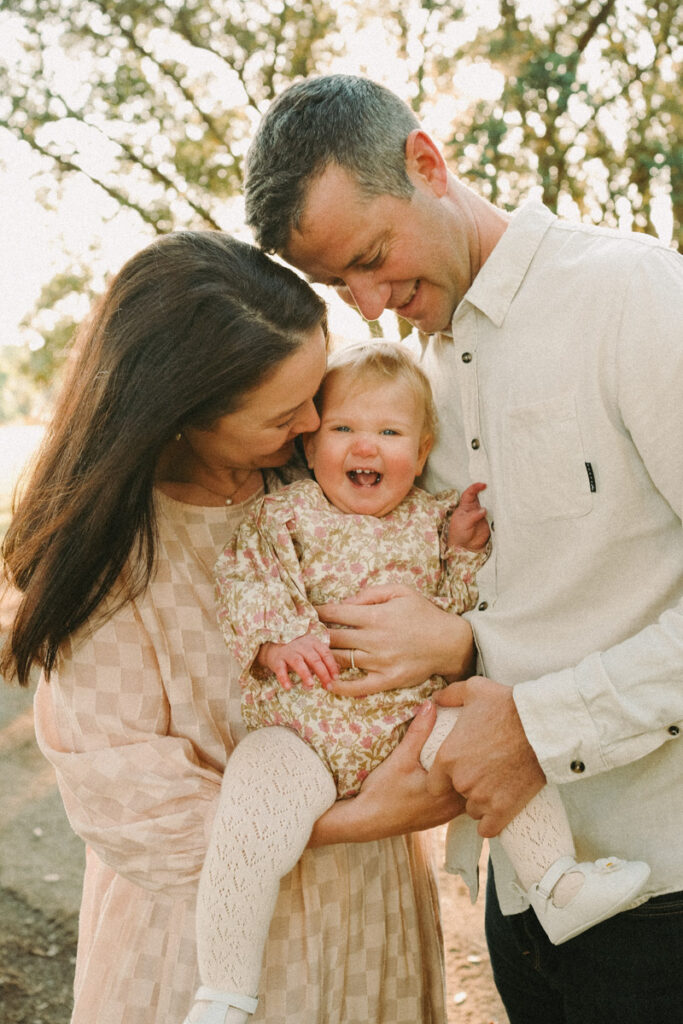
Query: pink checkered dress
138, 723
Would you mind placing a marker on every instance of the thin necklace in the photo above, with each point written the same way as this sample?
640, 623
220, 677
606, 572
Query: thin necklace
229, 498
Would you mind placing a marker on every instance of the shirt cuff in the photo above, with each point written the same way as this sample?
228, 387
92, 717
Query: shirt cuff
559, 727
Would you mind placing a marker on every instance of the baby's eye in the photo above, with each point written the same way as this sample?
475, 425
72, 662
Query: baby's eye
389, 432
343, 429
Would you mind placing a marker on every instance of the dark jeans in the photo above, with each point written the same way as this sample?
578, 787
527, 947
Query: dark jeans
627, 970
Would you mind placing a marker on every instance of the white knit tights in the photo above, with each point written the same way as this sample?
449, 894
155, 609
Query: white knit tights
540, 833
273, 790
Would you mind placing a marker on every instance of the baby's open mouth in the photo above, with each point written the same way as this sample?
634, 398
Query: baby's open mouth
364, 477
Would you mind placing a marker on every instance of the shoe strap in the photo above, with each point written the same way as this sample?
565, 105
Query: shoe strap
214, 995
553, 875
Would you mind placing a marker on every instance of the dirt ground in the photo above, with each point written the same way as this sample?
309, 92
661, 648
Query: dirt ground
37, 956
40, 869
472, 996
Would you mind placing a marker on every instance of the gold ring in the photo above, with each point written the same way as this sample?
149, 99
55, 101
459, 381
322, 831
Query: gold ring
353, 660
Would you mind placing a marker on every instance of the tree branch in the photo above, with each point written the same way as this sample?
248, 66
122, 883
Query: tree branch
69, 165
167, 69
593, 25
183, 27
135, 158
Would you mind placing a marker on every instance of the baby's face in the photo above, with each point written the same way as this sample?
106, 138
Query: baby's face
370, 445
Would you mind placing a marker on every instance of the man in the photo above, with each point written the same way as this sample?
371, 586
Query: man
556, 354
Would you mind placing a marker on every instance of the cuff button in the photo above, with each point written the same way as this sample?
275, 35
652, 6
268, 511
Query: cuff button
577, 767
673, 730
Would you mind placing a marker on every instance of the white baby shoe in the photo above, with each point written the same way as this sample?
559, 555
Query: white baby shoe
609, 886
219, 1003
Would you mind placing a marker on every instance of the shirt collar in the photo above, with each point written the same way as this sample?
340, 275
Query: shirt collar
496, 284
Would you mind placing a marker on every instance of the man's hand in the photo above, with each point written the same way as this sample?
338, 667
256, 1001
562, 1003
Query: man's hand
398, 637
307, 655
487, 756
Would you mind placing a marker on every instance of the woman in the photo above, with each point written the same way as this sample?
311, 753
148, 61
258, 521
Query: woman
194, 374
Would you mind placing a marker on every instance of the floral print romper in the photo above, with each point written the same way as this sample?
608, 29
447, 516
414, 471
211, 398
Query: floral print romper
295, 551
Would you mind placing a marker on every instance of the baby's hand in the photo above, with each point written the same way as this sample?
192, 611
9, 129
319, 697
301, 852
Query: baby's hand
308, 656
468, 527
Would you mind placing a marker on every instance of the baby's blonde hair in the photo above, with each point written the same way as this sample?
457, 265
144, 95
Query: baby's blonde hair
385, 360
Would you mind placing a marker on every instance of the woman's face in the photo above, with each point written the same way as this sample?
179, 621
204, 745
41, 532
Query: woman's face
261, 432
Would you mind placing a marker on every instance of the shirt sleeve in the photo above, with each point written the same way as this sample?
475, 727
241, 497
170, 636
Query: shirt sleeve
140, 796
260, 592
617, 705
458, 585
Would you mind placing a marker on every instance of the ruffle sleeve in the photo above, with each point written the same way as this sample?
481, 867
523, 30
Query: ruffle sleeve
260, 592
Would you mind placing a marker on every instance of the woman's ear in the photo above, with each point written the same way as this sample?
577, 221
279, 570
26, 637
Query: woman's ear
425, 165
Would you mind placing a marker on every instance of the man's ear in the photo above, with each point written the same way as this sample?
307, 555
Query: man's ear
425, 165
426, 445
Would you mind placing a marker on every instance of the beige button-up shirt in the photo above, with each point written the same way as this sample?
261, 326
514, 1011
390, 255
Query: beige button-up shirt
562, 389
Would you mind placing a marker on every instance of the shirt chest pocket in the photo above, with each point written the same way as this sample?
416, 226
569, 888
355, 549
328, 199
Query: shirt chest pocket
546, 471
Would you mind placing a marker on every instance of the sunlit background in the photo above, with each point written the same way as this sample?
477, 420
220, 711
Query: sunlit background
50, 224
121, 120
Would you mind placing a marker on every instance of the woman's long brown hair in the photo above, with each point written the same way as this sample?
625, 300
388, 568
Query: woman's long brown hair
187, 327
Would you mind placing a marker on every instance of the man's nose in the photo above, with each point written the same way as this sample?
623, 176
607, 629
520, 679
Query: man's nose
370, 298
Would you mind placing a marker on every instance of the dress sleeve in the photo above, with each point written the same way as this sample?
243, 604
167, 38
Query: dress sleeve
139, 795
458, 591
260, 592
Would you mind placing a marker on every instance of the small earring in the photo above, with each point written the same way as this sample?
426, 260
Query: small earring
178, 435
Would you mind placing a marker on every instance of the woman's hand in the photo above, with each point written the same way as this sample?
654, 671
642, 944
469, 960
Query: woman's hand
398, 637
393, 799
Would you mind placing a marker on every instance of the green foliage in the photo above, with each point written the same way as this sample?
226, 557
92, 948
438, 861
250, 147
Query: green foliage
156, 102
42, 365
152, 100
16, 393
55, 326
29, 374
589, 110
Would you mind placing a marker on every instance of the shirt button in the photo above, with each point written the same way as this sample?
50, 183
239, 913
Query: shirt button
475, 443
483, 605
674, 730
577, 767
466, 357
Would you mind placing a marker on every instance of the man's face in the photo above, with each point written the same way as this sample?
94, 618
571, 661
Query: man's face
408, 255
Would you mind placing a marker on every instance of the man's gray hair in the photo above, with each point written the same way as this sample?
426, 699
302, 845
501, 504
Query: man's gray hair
341, 119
